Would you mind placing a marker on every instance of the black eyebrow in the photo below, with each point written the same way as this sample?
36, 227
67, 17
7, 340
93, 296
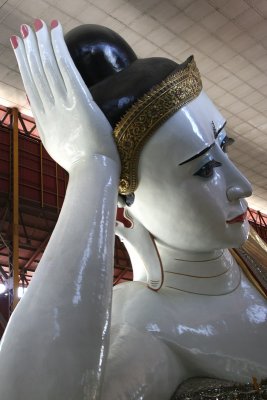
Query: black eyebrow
217, 131
198, 154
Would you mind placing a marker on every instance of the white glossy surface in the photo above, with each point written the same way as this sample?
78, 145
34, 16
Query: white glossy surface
56, 342
206, 319
198, 208
146, 264
184, 335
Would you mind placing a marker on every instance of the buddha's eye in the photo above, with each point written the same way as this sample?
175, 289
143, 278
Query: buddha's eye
227, 141
206, 171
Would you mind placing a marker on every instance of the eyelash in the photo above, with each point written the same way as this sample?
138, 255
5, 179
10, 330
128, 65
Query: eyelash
227, 141
206, 171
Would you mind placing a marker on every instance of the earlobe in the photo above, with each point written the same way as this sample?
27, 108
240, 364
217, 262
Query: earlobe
142, 250
123, 219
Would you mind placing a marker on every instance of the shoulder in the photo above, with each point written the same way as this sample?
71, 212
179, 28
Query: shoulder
130, 289
129, 299
138, 360
136, 298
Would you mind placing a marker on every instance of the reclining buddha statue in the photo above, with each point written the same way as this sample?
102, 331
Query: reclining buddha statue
143, 135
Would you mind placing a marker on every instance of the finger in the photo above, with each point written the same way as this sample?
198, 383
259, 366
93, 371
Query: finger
49, 62
71, 75
36, 67
40, 130
29, 84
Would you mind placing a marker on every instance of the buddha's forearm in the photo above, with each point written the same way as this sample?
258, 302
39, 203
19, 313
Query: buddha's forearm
62, 323
83, 237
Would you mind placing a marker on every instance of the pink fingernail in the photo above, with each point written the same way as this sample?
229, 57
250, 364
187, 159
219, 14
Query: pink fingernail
38, 24
54, 23
24, 31
14, 41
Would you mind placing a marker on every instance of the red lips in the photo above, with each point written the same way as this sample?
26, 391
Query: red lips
239, 218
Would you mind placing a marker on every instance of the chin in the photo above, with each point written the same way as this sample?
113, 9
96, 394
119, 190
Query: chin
238, 233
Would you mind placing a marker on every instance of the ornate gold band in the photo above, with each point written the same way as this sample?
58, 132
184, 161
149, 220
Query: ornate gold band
147, 114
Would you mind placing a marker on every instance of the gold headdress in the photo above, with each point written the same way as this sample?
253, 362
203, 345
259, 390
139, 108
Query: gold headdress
147, 114
136, 95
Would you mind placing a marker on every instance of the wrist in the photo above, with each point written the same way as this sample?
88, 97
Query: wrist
95, 163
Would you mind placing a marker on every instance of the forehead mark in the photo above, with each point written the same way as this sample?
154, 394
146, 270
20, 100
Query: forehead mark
217, 131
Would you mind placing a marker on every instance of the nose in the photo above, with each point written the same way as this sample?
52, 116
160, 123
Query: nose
239, 186
235, 193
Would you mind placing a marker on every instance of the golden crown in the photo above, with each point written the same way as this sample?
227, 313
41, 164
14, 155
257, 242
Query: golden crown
147, 114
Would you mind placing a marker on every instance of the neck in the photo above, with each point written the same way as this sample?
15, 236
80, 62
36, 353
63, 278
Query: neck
211, 273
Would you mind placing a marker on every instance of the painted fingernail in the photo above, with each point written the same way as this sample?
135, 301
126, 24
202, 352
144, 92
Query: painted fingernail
54, 23
14, 41
38, 24
24, 31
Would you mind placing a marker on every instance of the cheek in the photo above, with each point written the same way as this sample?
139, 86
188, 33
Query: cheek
167, 201
204, 197
203, 209
183, 214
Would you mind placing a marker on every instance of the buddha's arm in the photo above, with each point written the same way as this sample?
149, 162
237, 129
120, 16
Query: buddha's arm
140, 365
56, 343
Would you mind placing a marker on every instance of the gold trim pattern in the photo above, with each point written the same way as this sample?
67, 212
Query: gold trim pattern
251, 257
212, 388
147, 114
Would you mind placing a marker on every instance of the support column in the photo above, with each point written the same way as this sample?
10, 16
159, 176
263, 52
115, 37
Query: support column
41, 175
15, 214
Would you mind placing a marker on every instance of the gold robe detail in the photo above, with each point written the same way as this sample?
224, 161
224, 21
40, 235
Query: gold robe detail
217, 389
252, 258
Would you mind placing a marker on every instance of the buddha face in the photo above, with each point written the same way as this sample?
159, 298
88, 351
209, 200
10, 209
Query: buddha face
190, 196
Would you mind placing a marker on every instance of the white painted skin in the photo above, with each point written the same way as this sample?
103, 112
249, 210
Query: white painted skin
69, 300
206, 320
199, 207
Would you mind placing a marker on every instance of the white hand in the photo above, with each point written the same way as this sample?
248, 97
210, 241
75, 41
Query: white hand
71, 125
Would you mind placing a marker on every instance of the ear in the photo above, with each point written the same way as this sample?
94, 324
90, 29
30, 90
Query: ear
122, 217
142, 250
121, 201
